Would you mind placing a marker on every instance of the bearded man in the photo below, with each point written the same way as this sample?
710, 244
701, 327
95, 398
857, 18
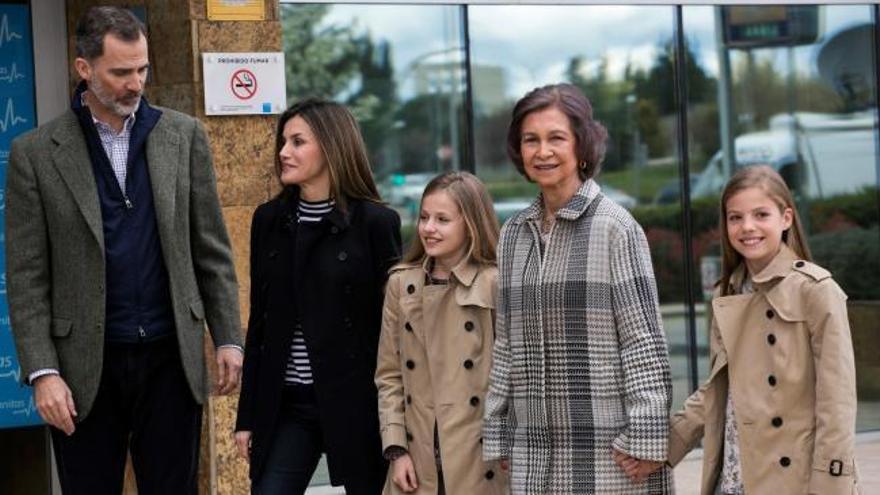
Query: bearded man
117, 258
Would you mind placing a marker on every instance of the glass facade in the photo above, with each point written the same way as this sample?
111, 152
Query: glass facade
690, 95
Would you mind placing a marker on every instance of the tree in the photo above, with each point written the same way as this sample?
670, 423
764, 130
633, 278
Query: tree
318, 61
659, 84
335, 62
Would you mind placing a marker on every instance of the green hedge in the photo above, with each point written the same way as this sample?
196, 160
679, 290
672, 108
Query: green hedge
853, 258
846, 241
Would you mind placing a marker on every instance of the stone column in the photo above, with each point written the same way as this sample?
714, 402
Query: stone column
243, 149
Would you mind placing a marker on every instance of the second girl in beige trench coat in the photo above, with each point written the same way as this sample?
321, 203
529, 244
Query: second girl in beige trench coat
779, 409
786, 353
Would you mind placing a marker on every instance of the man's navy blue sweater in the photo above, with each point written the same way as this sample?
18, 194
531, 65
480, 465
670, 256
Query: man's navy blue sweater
138, 300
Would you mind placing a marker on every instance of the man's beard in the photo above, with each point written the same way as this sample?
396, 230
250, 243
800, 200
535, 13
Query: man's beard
123, 107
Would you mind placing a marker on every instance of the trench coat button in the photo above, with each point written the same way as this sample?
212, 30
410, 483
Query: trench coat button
468, 364
475, 401
409, 437
490, 474
771, 380
100, 289
770, 313
408, 399
785, 462
408, 327
410, 364
347, 322
771, 339
799, 264
342, 256
469, 326
410, 289
334, 230
777, 422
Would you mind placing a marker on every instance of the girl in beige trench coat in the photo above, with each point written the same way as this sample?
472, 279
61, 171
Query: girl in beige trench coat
782, 383
435, 350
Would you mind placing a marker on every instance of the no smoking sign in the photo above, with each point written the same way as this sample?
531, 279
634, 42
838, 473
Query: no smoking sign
244, 83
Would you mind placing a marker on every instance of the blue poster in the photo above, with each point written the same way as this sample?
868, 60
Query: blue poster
17, 115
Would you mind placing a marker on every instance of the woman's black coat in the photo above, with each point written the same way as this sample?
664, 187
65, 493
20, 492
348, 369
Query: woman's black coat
332, 284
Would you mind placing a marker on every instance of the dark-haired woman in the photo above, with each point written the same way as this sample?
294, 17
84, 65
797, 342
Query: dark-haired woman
320, 254
580, 367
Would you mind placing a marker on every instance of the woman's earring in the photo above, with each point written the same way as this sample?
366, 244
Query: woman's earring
583, 165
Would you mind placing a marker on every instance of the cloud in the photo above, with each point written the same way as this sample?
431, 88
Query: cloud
534, 43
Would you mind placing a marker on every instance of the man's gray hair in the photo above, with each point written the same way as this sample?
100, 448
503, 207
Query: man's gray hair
97, 22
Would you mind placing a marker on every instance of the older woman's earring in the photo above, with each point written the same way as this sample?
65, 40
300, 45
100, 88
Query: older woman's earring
583, 165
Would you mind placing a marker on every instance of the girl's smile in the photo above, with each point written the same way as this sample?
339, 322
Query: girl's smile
755, 224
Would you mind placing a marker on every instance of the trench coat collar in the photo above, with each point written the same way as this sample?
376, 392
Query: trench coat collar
781, 265
572, 210
464, 272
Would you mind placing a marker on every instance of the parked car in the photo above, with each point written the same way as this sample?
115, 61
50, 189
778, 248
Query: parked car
671, 191
618, 196
405, 190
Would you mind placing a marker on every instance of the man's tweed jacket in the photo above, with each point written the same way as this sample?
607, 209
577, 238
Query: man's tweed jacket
580, 359
55, 251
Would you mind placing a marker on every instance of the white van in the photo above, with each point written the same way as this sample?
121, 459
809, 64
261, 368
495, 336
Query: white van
819, 155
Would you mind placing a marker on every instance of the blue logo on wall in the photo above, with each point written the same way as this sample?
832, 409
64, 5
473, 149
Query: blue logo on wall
267, 107
17, 115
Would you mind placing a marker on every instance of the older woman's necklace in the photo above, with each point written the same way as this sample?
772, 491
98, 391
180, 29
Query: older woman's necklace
547, 223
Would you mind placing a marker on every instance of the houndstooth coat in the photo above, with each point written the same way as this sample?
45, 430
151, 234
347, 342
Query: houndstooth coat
580, 358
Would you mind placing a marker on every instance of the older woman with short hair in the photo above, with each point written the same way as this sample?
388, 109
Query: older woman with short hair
581, 371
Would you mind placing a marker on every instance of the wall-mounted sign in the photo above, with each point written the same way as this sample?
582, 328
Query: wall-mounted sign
244, 83
236, 10
17, 115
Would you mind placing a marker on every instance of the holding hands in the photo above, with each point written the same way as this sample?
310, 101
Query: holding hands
638, 470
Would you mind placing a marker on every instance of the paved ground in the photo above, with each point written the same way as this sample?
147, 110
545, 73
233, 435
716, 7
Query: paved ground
687, 474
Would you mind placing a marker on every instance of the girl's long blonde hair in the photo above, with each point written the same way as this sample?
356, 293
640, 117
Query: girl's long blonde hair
475, 205
769, 181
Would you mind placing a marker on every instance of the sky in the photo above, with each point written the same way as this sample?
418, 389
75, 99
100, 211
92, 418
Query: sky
534, 43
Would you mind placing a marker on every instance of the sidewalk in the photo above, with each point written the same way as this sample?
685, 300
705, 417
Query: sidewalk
688, 472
